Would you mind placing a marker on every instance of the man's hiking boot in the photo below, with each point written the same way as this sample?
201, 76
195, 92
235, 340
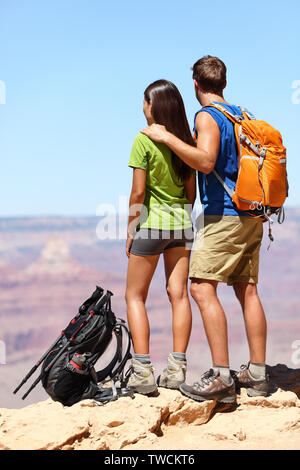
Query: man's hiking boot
211, 387
174, 375
142, 378
255, 387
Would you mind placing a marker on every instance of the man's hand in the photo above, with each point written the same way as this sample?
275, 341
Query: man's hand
156, 132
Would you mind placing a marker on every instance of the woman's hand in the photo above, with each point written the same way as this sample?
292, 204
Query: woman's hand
128, 245
156, 132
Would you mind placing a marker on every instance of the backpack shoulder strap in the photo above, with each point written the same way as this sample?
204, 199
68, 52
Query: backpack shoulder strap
247, 114
109, 372
235, 118
225, 186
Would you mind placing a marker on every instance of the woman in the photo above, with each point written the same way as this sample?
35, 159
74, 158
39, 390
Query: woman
162, 196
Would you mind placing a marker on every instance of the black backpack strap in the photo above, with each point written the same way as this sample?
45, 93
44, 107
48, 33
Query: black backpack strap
105, 395
108, 372
104, 373
118, 373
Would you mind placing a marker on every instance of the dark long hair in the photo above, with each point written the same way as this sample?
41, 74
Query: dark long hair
168, 110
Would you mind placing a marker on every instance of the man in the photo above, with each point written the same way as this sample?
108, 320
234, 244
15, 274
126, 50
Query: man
231, 239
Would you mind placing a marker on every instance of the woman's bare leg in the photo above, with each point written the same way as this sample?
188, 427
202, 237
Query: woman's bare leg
176, 268
139, 274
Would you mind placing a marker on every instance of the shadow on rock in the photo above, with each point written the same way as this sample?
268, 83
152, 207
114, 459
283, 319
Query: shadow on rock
284, 378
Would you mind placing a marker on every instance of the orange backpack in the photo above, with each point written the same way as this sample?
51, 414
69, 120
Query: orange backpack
262, 185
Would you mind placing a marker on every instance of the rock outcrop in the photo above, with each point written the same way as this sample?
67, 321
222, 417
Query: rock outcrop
166, 421
56, 261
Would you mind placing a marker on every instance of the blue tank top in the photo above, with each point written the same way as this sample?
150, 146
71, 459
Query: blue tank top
215, 199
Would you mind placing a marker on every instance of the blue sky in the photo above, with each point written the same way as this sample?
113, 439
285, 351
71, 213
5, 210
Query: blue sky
75, 72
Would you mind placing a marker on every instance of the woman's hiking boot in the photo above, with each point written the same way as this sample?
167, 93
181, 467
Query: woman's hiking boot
142, 378
174, 375
255, 386
211, 386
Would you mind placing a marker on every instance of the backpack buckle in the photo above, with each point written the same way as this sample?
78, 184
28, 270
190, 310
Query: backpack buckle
239, 118
262, 156
263, 152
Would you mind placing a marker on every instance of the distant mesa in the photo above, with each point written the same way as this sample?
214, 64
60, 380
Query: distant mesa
56, 260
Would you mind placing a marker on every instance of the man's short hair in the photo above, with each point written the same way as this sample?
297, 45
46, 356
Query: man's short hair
210, 74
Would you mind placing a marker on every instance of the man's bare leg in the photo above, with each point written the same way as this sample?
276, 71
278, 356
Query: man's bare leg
253, 376
204, 292
217, 383
255, 320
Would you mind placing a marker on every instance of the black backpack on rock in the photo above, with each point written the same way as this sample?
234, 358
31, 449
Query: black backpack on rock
68, 367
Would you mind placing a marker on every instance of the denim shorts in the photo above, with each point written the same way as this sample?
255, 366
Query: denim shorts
150, 241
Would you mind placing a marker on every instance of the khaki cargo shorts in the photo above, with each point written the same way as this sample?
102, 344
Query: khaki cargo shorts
226, 249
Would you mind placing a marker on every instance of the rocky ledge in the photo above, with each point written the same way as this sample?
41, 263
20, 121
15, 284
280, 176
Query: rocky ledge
166, 421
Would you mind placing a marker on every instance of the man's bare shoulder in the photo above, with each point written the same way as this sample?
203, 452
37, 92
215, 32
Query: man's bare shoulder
205, 121
208, 134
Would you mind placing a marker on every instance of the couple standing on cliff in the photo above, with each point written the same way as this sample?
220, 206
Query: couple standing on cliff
165, 158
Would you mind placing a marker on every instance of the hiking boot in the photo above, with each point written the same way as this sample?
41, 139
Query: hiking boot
173, 375
255, 387
211, 387
142, 378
